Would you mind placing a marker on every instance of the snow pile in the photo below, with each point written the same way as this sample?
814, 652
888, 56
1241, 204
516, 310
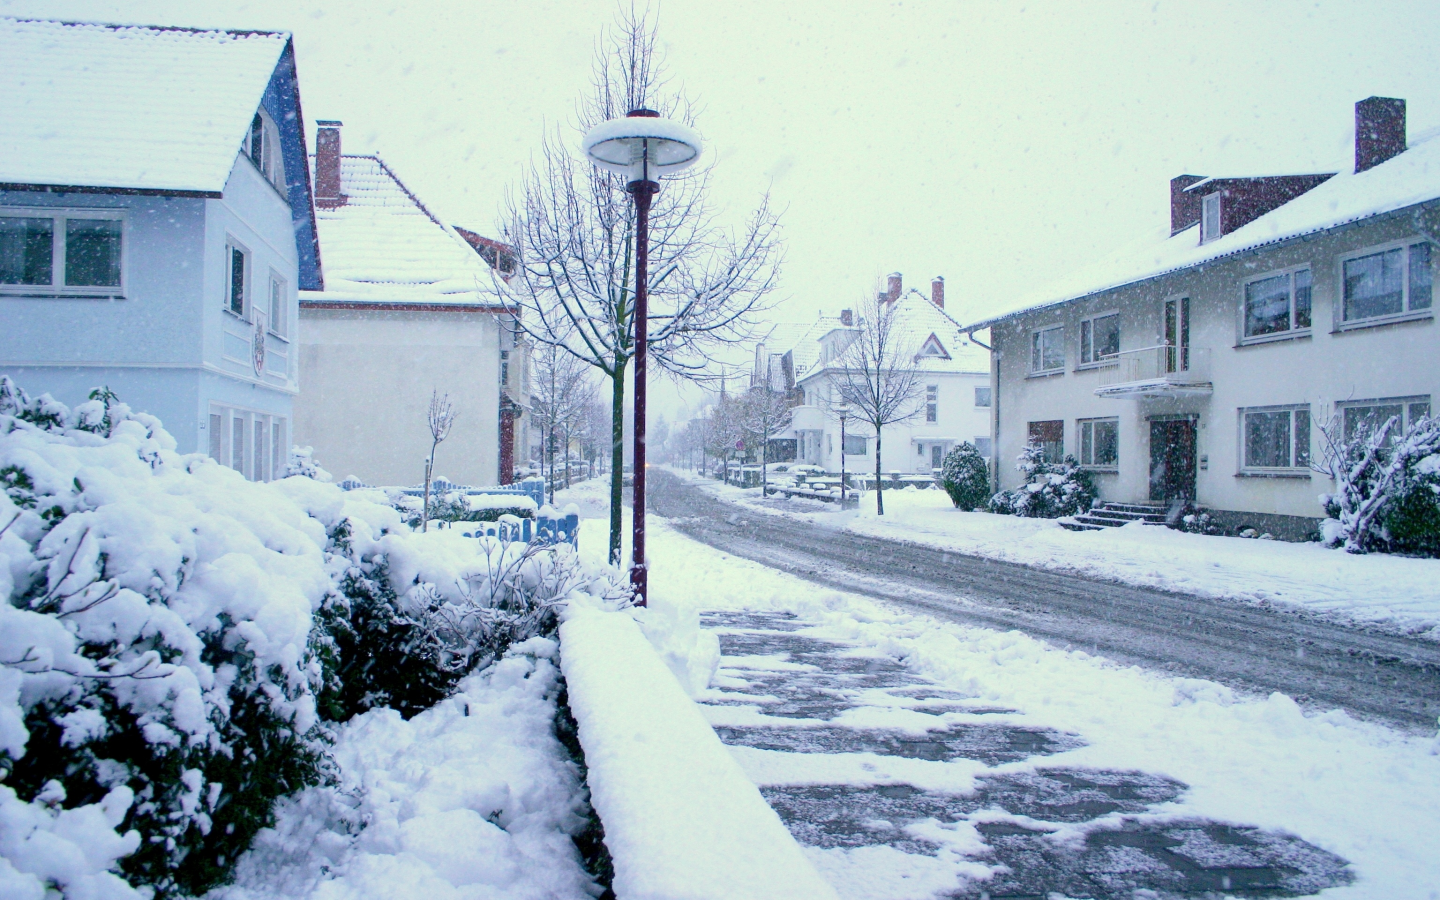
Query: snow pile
444, 820
691, 653
681, 819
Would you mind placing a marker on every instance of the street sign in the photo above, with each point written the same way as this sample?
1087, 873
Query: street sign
739, 445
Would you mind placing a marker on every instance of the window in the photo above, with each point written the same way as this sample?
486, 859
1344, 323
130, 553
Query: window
77, 252
920, 450
238, 270
1394, 282
932, 402
1099, 338
1050, 438
1277, 304
251, 443
504, 368
1210, 217
1363, 417
263, 148
278, 305
1276, 438
854, 445
982, 445
1047, 349
982, 397
1100, 443
216, 436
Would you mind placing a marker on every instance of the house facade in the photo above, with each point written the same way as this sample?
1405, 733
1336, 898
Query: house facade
407, 310
952, 406
156, 225
1205, 367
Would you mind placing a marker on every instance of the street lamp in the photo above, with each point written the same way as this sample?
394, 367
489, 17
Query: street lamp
642, 147
844, 413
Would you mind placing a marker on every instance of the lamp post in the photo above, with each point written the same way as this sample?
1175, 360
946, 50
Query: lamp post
642, 147
844, 414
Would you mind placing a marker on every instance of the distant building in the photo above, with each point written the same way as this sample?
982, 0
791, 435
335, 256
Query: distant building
1202, 367
407, 309
155, 224
953, 404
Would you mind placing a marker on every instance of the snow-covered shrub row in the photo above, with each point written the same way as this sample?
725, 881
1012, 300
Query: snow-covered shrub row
1051, 490
966, 477
174, 637
1387, 488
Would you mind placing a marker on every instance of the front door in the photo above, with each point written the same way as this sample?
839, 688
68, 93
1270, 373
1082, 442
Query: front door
937, 456
1172, 459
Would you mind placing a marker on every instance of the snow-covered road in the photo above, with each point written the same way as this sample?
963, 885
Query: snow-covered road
1390, 677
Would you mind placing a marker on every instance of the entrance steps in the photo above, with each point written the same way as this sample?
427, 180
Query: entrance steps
1113, 515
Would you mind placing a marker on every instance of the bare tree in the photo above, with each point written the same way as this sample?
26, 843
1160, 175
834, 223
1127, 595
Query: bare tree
763, 413
572, 226
440, 417
559, 391
876, 375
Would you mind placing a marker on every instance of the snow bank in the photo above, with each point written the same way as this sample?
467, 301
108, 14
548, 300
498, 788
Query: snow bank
682, 821
473, 797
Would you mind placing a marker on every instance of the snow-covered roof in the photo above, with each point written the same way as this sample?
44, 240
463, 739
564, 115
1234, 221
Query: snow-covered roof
1403, 180
119, 106
919, 319
382, 246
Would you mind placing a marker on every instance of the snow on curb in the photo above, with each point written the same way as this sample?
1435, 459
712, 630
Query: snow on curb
682, 821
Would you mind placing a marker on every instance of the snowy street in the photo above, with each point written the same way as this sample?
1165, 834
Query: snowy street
1390, 677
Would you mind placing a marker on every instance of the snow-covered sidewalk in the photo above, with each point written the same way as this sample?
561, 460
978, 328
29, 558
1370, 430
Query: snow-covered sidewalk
1397, 594
1357, 790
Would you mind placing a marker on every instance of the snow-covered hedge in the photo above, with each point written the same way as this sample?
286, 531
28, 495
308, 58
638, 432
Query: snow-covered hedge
1051, 490
1387, 488
175, 636
966, 477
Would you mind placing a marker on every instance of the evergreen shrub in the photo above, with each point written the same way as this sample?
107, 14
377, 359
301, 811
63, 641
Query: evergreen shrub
966, 477
1051, 490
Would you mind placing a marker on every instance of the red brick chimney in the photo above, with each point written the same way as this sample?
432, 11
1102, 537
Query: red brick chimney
1184, 207
937, 291
847, 318
327, 165
892, 289
1379, 131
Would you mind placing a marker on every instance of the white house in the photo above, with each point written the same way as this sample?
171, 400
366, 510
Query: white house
155, 224
408, 308
1203, 366
953, 404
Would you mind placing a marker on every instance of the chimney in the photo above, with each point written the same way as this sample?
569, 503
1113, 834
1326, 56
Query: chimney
1379, 131
847, 318
892, 289
327, 165
1184, 208
937, 291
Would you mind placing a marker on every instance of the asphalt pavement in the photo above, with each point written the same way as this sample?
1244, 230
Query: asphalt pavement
1390, 678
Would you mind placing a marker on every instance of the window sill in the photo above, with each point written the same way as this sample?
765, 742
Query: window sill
1293, 473
1418, 315
236, 317
1294, 335
1102, 364
1048, 373
277, 336
1102, 470
52, 294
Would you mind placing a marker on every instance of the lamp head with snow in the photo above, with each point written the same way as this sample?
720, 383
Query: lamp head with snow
642, 146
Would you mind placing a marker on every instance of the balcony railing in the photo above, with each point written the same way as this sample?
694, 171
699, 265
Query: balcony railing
1157, 371
808, 418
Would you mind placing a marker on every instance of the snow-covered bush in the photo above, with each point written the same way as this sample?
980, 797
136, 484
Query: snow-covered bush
174, 636
1387, 488
966, 477
455, 506
302, 462
1051, 490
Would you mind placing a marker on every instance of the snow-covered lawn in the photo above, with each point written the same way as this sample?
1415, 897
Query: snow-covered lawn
1391, 592
1362, 791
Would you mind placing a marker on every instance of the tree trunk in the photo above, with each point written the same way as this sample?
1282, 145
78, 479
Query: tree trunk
567, 457
879, 482
617, 459
764, 461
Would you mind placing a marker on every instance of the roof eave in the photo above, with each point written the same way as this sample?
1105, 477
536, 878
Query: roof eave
111, 189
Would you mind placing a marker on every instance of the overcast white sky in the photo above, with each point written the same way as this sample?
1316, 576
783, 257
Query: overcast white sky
999, 145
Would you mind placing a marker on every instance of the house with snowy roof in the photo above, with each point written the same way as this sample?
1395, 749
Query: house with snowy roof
407, 309
155, 225
955, 382
1202, 367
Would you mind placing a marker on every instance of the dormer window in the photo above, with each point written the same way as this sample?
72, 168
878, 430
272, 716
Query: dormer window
263, 148
1209, 217
932, 348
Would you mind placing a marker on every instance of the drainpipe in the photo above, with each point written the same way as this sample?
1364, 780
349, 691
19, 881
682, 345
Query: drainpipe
994, 411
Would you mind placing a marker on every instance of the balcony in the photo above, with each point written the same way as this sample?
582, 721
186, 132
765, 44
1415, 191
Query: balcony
1162, 371
807, 418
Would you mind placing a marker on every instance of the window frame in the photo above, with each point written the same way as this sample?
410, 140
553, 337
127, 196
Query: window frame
271, 164
1037, 353
1406, 403
1096, 362
1296, 468
1294, 330
278, 325
247, 425
1406, 314
1208, 234
864, 444
932, 404
989, 396
57, 288
1082, 426
247, 300
1030, 438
